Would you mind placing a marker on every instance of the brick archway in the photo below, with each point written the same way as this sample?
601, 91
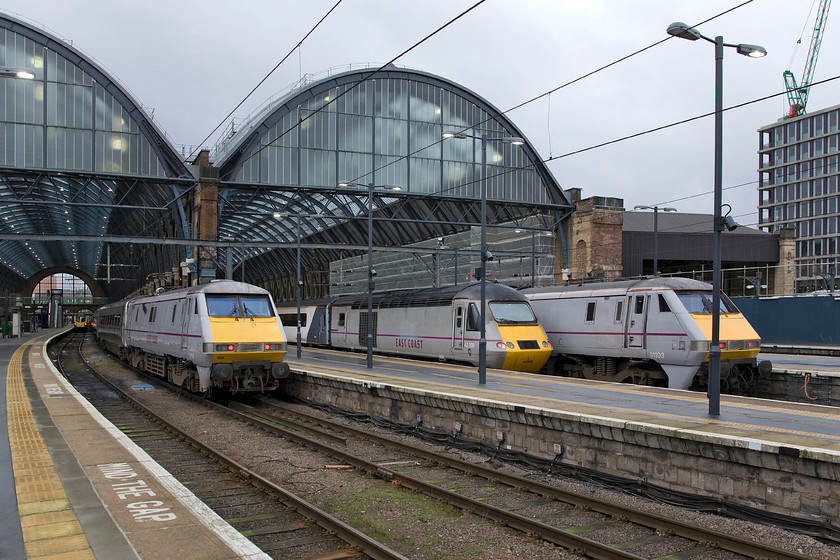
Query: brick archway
30, 283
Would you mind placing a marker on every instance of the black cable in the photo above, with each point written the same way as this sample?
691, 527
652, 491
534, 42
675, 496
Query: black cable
297, 46
354, 86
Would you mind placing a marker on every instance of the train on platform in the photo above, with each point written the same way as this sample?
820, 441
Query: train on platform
82, 320
213, 339
653, 331
430, 323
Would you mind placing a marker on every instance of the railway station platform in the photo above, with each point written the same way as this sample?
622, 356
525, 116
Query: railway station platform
72, 486
779, 457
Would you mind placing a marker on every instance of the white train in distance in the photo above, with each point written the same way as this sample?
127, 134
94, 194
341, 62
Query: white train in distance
432, 323
220, 337
654, 331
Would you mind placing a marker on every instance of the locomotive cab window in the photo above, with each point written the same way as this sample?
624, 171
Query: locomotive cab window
663, 305
472, 318
341, 319
701, 303
512, 313
219, 305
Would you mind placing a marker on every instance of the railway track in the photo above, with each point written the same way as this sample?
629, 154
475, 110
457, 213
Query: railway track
587, 526
278, 522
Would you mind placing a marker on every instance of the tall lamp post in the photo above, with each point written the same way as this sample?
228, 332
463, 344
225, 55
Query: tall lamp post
655, 232
298, 282
485, 253
684, 31
371, 272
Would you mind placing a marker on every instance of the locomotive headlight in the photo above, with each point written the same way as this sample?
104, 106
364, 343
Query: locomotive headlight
500, 345
224, 347
546, 344
272, 347
510, 345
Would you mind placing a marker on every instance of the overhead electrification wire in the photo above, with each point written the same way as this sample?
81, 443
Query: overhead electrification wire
579, 78
356, 84
276, 66
673, 124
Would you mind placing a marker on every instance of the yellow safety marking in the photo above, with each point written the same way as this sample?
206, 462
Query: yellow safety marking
506, 397
49, 525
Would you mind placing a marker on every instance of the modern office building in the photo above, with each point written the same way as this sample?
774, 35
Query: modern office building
798, 170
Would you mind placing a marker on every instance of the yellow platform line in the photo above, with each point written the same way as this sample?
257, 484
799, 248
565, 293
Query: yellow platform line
50, 527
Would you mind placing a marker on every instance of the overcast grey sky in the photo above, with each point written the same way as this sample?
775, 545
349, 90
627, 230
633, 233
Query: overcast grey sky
193, 61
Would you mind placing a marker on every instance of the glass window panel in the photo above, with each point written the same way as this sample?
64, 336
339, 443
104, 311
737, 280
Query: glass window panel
391, 137
354, 166
317, 168
426, 139
355, 133
459, 179
424, 176
318, 130
392, 170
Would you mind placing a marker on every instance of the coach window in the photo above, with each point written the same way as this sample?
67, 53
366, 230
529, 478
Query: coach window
459, 317
619, 307
341, 319
174, 310
640, 305
663, 305
590, 312
152, 314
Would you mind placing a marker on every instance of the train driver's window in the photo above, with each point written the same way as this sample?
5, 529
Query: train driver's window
459, 317
590, 312
472, 318
341, 319
640, 305
222, 306
663, 305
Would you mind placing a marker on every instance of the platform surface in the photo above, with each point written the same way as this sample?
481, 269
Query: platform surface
72, 486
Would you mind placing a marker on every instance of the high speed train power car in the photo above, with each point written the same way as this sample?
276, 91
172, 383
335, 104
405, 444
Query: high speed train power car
654, 331
218, 337
433, 323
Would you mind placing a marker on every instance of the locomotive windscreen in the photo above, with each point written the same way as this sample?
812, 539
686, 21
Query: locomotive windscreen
701, 303
221, 305
512, 313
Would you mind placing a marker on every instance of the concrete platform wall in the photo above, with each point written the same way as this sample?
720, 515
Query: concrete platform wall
784, 480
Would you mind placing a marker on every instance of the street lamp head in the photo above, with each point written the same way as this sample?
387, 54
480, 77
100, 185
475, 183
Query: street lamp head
642, 207
453, 134
514, 140
752, 51
669, 209
19, 73
684, 31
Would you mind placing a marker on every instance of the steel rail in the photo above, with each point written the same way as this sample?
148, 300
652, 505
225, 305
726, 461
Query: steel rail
732, 543
354, 538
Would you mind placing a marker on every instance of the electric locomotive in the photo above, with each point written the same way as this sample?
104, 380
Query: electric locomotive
222, 336
654, 331
81, 320
432, 323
